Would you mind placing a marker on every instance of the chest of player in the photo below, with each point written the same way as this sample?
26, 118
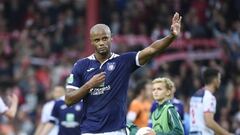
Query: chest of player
111, 68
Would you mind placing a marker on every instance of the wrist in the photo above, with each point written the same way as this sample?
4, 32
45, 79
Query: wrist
88, 86
173, 36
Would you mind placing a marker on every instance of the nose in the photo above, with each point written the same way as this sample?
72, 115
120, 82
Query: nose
101, 43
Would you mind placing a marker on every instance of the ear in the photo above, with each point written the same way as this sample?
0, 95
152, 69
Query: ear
169, 92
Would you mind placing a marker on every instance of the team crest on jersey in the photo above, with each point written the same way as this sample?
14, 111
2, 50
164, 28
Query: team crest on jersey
77, 107
111, 66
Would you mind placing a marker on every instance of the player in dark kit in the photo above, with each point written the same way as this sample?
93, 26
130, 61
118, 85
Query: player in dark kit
67, 118
101, 80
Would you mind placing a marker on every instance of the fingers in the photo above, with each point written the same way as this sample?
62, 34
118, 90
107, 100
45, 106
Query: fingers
176, 18
100, 76
180, 19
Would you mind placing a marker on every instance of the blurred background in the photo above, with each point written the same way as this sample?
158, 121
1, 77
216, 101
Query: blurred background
41, 39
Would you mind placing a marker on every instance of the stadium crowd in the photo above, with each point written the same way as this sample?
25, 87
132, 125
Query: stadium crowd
41, 39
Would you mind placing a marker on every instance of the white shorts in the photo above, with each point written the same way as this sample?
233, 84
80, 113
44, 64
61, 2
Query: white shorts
118, 132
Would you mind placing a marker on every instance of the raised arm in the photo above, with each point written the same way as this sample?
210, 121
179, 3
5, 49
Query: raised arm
159, 46
73, 96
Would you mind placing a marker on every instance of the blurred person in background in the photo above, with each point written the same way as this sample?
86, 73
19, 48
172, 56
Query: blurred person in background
8, 111
66, 118
139, 108
101, 80
57, 92
203, 106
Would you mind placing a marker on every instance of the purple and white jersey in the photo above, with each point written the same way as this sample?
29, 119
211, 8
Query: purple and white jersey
46, 116
201, 102
104, 107
67, 118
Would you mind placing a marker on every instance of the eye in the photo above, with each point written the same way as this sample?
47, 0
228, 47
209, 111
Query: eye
96, 40
105, 38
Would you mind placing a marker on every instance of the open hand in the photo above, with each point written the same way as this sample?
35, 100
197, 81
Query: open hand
176, 24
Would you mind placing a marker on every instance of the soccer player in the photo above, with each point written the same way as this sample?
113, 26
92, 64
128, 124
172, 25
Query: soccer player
10, 112
67, 118
165, 118
57, 92
203, 106
101, 80
140, 106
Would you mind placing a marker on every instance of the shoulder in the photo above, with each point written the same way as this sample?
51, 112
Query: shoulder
83, 61
199, 93
136, 103
177, 101
49, 104
81, 64
209, 95
60, 101
171, 110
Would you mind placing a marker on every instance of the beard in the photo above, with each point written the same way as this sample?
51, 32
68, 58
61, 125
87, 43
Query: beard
103, 52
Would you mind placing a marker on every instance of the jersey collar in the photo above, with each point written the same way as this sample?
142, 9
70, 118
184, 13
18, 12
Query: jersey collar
113, 55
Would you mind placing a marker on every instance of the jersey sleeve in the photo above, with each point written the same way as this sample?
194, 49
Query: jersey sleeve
3, 107
74, 80
46, 112
133, 111
131, 60
209, 103
55, 113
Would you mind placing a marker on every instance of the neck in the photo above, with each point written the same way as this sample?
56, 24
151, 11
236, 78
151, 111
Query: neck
101, 58
140, 98
162, 101
210, 88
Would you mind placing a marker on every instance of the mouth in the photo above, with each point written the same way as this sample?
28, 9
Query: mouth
102, 49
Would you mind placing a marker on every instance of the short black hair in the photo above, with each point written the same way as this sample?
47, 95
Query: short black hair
209, 74
140, 86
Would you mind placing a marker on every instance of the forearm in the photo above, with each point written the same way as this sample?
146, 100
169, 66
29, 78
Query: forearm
217, 128
155, 48
74, 96
160, 45
47, 128
12, 110
39, 129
